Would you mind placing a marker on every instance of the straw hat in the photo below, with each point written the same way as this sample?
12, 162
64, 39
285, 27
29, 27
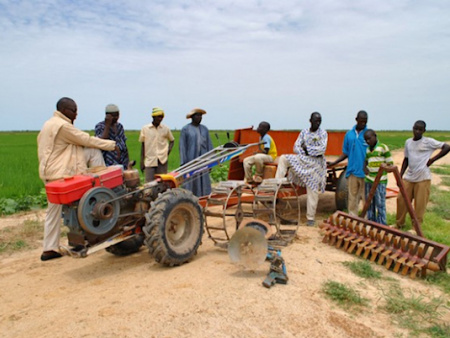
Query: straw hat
195, 111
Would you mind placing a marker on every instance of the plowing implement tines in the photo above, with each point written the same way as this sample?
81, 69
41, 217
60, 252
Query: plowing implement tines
400, 251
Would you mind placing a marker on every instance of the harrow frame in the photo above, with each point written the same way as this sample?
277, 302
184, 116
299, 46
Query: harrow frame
404, 252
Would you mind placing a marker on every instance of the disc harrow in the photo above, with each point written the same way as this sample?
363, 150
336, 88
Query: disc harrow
399, 251
277, 202
227, 201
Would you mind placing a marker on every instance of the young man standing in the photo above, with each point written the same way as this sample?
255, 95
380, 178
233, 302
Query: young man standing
267, 153
354, 149
417, 180
377, 154
156, 144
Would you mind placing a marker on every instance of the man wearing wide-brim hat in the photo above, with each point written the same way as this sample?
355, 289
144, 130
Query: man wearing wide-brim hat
195, 111
194, 142
156, 144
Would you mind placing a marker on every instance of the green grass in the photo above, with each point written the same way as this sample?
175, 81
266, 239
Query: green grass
415, 313
343, 295
440, 198
438, 331
440, 202
363, 269
19, 175
19, 166
441, 279
21, 237
396, 139
434, 226
445, 181
22, 203
436, 220
441, 170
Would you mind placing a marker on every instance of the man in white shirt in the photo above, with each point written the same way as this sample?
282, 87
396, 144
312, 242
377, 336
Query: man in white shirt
417, 180
156, 144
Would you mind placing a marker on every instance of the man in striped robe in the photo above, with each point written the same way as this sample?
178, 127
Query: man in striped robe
308, 167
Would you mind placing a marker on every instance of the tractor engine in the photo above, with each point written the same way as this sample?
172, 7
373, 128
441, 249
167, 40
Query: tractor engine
101, 203
107, 208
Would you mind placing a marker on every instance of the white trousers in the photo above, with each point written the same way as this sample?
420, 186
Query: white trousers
312, 199
258, 161
52, 230
282, 167
52, 224
94, 157
312, 196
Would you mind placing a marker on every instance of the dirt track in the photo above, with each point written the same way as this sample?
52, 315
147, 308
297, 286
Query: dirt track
133, 296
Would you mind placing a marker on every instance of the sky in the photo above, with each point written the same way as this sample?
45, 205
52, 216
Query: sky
242, 61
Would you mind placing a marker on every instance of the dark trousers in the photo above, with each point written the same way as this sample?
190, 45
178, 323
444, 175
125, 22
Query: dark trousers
151, 171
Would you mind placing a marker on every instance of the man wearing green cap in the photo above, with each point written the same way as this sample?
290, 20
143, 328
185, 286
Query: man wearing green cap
156, 144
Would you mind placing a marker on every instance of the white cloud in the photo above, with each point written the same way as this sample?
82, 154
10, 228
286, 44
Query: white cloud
242, 61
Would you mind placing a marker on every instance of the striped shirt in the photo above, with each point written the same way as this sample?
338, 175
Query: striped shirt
117, 135
374, 158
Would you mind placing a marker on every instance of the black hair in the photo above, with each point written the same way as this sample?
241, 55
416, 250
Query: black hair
422, 123
266, 124
314, 113
63, 102
362, 113
369, 131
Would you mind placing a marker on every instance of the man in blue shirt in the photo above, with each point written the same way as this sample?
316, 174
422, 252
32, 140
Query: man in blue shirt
354, 149
111, 129
267, 153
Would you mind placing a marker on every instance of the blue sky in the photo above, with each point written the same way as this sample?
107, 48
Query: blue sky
241, 61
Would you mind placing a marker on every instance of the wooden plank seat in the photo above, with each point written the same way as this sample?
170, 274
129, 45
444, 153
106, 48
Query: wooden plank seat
270, 169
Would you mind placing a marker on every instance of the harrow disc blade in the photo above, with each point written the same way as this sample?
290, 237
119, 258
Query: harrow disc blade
248, 247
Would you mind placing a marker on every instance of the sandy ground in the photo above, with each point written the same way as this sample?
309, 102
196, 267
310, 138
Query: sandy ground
108, 296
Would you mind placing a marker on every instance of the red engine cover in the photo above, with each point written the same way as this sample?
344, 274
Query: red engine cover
71, 189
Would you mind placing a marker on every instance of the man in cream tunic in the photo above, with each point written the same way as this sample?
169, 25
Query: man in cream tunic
61, 154
156, 144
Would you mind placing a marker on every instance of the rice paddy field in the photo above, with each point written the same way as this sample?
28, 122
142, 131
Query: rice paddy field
19, 174
19, 164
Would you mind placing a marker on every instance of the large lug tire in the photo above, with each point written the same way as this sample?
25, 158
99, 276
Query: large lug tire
174, 227
128, 246
341, 195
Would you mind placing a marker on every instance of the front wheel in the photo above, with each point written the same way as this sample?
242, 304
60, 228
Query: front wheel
341, 196
174, 227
